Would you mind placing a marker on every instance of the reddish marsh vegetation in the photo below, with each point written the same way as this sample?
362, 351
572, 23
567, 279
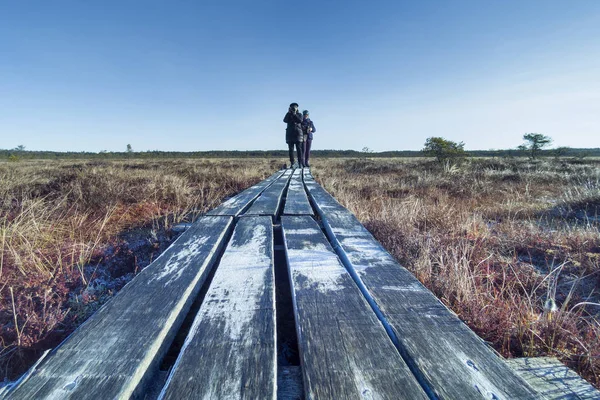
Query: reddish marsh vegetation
512, 246
73, 233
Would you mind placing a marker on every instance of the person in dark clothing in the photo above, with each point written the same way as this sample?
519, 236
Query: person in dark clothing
293, 133
308, 128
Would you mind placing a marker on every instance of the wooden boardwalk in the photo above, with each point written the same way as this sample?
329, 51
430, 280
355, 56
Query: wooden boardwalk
365, 327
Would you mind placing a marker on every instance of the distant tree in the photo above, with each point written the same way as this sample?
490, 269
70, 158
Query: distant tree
522, 148
19, 148
444, 150
129, 149
366, 152
561, 151
534, 143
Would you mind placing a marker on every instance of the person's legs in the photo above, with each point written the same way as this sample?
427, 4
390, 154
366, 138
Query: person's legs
304, 149
291, 153
299, 149
307, 145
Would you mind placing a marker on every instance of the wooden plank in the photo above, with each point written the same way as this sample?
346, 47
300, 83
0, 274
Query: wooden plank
296, 202
446, 356
230, 351
116, 351
323, 201
238, 203
553, 379
345, 351
269, 201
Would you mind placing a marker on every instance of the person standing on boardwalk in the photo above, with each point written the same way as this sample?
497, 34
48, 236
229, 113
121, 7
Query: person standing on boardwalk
308, 128
293, 133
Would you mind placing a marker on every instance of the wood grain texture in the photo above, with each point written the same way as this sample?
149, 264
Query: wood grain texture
323, 201
113, 354
345, 352
296, 202
238, 203
444, 353
269, 201
230, 351
552, 379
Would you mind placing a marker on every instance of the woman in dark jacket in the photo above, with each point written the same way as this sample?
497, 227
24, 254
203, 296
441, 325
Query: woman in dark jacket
308, 127
293, 133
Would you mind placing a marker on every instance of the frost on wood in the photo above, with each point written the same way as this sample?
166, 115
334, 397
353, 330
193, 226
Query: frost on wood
230, 349
345, 351
235, 205
297, 201
177, 263
552, 379
269, 200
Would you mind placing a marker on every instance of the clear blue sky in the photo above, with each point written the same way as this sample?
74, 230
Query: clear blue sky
203, 75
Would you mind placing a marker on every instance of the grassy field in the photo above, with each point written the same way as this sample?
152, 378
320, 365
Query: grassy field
512, 246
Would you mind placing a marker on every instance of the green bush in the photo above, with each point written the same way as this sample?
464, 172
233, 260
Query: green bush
444, 150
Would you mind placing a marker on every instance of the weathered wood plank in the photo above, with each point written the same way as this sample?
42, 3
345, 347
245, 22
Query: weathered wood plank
230, 351
114, 353
296, 202
553, 379
269, 201
345, 351
238, 203
442, 351
323, 201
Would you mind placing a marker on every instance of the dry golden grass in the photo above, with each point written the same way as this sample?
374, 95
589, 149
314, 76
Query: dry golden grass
72, 233
498, 241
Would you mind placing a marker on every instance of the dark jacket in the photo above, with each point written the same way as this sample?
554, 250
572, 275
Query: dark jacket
307, 123
293, 132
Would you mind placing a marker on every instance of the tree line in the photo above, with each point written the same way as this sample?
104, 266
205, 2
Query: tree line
438, 147
533, 146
